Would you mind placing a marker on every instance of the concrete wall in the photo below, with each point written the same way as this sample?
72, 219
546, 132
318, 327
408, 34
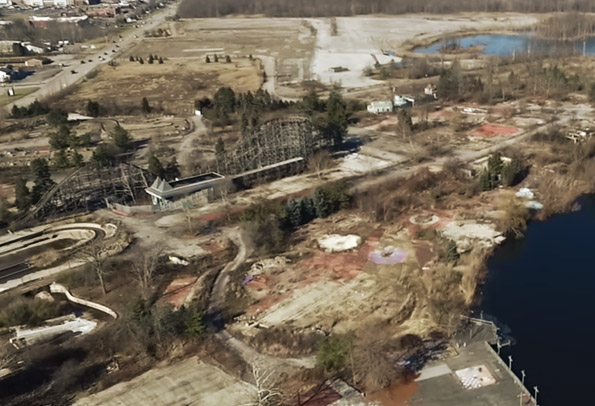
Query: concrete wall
57, 288
132, 210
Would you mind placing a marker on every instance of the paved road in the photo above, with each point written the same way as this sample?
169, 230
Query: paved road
65, 78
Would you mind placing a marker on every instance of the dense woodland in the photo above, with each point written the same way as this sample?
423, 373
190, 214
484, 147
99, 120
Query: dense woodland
312, 8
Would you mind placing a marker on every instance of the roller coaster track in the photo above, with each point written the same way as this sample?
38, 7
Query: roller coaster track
93, 181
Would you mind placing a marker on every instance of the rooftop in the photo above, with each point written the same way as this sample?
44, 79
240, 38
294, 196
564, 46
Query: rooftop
163, 189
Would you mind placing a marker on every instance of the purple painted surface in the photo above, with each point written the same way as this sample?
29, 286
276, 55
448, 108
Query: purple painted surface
387, 256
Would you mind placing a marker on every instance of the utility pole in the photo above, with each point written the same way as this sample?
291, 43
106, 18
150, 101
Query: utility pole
523, 376
536, 392
510, 362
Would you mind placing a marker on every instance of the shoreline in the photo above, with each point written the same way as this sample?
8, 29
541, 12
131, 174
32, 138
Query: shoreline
408, 48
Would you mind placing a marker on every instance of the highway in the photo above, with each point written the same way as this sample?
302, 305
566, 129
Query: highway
66, 78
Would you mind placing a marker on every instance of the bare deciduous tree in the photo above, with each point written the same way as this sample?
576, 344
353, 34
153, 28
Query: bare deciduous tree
144, 268
93, 254
319, 162
266, 388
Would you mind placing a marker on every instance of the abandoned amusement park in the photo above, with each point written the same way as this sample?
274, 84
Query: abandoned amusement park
296, 203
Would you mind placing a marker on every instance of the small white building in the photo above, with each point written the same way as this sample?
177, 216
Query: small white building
5, 76
5, 3
32, 48
430, 90
378, 107
402, 101
33, 3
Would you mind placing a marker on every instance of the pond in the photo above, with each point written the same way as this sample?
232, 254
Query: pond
543, 288
509, 45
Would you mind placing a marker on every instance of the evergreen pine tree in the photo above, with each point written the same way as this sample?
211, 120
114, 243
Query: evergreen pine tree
145, 106
219, 147
321, 203
485, 180
76, 159
22, 196
121, 137
155, 166
42, 178
60, 159
336, 109
307, 209
195, 325
172, 170
294, 213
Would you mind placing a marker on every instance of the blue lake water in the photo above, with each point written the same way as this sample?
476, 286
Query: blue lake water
543, 288
507, 45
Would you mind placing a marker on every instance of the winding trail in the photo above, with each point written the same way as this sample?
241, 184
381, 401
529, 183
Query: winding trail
190, 142
217, 324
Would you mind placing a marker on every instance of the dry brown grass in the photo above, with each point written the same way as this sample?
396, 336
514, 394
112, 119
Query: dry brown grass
173, 85
475, 269
424, 189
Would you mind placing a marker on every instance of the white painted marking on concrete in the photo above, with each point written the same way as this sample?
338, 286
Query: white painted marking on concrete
434, 372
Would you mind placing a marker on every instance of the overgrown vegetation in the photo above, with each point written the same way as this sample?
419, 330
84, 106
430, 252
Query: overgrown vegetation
34, 109
29, 312
497, 172
111, 152
270, 222
329, 8
567, 26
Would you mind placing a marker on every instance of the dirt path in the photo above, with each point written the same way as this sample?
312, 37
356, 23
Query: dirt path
190, 142
249, 354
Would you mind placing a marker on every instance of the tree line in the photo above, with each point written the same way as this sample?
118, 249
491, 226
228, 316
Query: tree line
271, 222
330, 8
330, 116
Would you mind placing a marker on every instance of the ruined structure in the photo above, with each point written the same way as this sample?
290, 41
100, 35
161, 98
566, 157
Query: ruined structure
275, 141
87, 189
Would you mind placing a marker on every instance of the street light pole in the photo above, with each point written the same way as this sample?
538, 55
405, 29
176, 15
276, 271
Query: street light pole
523, 376
536, 392
510, 362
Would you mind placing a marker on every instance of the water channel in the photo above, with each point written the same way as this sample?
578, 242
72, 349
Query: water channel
543, 288
509, 45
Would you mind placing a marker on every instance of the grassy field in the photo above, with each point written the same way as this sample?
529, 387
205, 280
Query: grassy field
173, 85
19, 92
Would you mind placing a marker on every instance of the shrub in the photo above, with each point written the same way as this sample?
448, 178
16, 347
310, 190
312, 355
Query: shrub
332, 353
29, 312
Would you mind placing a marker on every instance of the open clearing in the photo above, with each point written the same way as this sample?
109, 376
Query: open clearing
174, 85
18, 93
184, 383
360, 39
304, 49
